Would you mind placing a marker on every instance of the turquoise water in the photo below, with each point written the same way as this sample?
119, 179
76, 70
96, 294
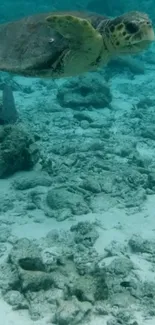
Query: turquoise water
77, 168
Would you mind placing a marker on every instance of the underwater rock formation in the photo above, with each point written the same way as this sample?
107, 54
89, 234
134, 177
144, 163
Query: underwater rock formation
85, 92
18, 150
62, 199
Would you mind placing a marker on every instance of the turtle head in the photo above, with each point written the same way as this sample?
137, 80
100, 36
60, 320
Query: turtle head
130, 33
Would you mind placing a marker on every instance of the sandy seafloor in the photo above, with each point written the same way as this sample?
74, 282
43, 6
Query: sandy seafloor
116, 222
118, 226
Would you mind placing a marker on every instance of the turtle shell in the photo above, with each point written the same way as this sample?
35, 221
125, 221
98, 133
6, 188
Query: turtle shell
30, 47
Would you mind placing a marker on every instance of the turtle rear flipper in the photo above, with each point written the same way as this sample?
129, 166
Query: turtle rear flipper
85, 42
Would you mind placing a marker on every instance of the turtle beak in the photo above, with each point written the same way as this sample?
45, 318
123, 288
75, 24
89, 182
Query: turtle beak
148, 33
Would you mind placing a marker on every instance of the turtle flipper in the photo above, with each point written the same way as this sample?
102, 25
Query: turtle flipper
85, 42
73, 27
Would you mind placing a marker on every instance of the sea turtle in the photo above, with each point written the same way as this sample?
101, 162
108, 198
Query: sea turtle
62, 44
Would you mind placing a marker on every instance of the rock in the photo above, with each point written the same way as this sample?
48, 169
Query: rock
6, 202
85, 233
18, 150
148, 132
35, 280
140, 245
51, 257
83, 289
81, 116
26, 255
71, 312
16, 300
60, 198
5, 233
115, 249
91, 185
9, 278
120, 266
31, 180
85, 92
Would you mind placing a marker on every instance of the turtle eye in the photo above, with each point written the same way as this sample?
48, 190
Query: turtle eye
132, 28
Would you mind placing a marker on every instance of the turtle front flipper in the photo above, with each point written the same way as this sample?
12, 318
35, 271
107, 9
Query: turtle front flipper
85, 43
